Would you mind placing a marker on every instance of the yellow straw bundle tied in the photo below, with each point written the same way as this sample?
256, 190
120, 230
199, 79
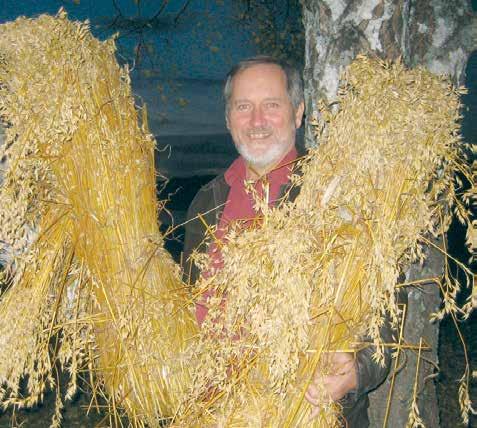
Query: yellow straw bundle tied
319, 274
81, 179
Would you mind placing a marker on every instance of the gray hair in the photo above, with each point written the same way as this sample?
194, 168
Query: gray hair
293, 76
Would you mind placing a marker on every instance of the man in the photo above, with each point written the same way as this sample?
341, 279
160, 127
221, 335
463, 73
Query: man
264, 108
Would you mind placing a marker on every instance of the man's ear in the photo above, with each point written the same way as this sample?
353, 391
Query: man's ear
227, 120
299, 114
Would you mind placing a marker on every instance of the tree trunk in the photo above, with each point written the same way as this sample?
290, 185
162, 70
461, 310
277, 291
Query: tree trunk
436, 34
421, 302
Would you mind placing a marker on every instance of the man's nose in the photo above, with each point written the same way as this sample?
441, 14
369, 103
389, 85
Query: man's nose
258, 117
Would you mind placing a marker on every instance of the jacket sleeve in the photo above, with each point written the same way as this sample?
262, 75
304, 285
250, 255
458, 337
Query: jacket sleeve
371, 373
208, 202
194, 235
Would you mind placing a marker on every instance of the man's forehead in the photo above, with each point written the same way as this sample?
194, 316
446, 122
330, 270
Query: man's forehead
260, 76
261, 70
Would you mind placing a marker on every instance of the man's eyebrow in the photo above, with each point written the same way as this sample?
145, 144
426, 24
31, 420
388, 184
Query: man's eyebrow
273, 99
246, 100
241, 100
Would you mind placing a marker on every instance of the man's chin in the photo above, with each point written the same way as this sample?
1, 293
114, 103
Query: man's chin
269, 156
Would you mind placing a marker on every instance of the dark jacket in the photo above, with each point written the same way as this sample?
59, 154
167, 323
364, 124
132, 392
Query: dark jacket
209, 202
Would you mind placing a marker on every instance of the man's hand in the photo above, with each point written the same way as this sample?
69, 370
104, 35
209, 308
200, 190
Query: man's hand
342, 377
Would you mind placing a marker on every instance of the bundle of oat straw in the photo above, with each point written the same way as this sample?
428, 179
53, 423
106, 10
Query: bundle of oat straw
89, 282
319, 275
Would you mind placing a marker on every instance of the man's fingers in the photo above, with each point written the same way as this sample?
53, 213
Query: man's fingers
329, 383
315, 397
312, 395
341, 378
311, 400
315, 411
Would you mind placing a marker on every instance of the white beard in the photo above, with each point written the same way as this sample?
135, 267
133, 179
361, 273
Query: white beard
270, 157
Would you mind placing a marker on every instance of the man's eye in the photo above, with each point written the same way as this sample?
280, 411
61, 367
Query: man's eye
273, 105
242, 107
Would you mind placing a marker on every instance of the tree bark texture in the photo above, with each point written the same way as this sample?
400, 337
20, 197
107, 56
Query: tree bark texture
436, 34
421, 302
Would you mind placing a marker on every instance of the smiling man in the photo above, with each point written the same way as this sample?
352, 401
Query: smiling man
264, 109
262, 116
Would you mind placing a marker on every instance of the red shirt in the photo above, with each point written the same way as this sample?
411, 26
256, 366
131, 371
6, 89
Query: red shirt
239, 208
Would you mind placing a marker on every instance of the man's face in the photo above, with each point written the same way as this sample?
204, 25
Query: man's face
261, 118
